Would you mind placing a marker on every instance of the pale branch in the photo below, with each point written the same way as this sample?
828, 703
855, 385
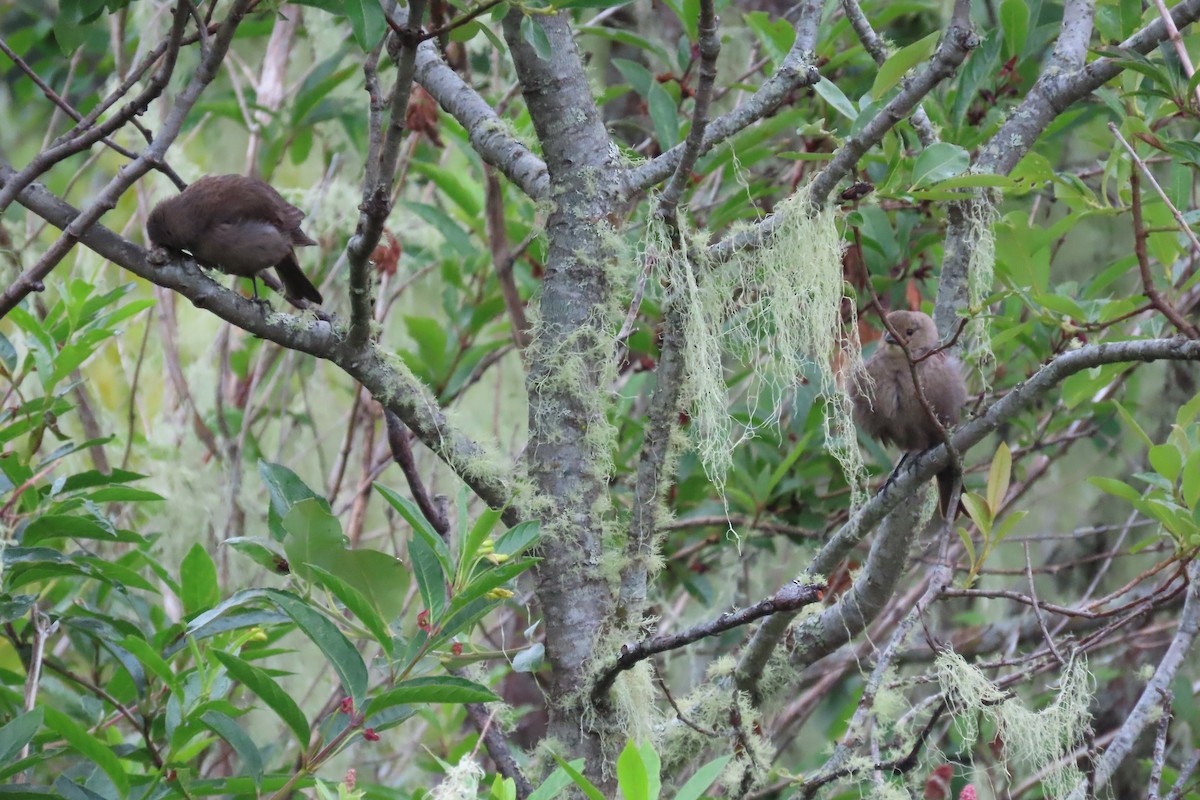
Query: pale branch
1074, 34
942, 576
566, 455
710, 48
923, 468
1064, 81
820, 634
791, 597
958, 41
1149, 703
490, 136
878, 51
794, 73
374, 367
1185, 775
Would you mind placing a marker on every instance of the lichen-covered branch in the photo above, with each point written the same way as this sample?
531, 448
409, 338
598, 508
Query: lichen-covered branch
377, 370
569, 362
1064, 80
380, 174
791, 597
878, 50
770, 633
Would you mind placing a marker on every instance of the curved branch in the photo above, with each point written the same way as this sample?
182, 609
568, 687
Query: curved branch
923, 468
1149, 703
489, 135
395, 388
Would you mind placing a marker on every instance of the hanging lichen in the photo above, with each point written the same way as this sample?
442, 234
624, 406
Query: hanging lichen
1036, 741
981, 239
776, 311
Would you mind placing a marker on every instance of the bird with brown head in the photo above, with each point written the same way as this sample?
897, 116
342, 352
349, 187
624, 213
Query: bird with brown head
238, 225
888, 408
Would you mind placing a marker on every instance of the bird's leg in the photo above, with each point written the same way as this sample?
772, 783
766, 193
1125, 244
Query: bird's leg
896, 471
261, 302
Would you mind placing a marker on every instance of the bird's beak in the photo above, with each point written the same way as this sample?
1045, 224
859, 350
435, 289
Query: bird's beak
889, 339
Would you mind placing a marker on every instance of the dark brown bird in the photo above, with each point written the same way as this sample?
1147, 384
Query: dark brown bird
890, 410
237, 225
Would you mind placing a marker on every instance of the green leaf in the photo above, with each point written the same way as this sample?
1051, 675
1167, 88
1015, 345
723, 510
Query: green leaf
830, 93
701, 779
1014, 21
477, 536
266, 689
431, 578
663, 114
1007, 525
535, 36
357, 603
1115, 487
332, 642
558, 780
1191, 480
198, 581
312, 533
1186, 414
420, 526
1166, 460
631, 774
1133, 423
967, 543
231, 731
901, 62
439, 689
366, 21
975, 180
978, 510
519, 537
89, 747
998, 478
18, 733
583, 783
938, 162
286, 489
150, 659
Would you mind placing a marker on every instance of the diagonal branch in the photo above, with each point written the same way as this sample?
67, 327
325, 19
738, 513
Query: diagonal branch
767, 637
794, 73
397, 390
958, 42
790, 598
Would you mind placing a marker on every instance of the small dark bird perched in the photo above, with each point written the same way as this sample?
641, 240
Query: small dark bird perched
891, 411
238, 225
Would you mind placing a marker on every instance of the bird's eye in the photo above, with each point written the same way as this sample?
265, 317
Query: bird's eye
908, 332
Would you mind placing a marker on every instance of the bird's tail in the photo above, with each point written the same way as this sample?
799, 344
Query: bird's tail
945, 484
295, 282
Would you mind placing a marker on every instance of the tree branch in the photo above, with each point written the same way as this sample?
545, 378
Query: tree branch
795, 72
397, 390
922, 469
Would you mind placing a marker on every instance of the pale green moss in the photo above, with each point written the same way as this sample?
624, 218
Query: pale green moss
980, 276
776, 309
1035, 741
